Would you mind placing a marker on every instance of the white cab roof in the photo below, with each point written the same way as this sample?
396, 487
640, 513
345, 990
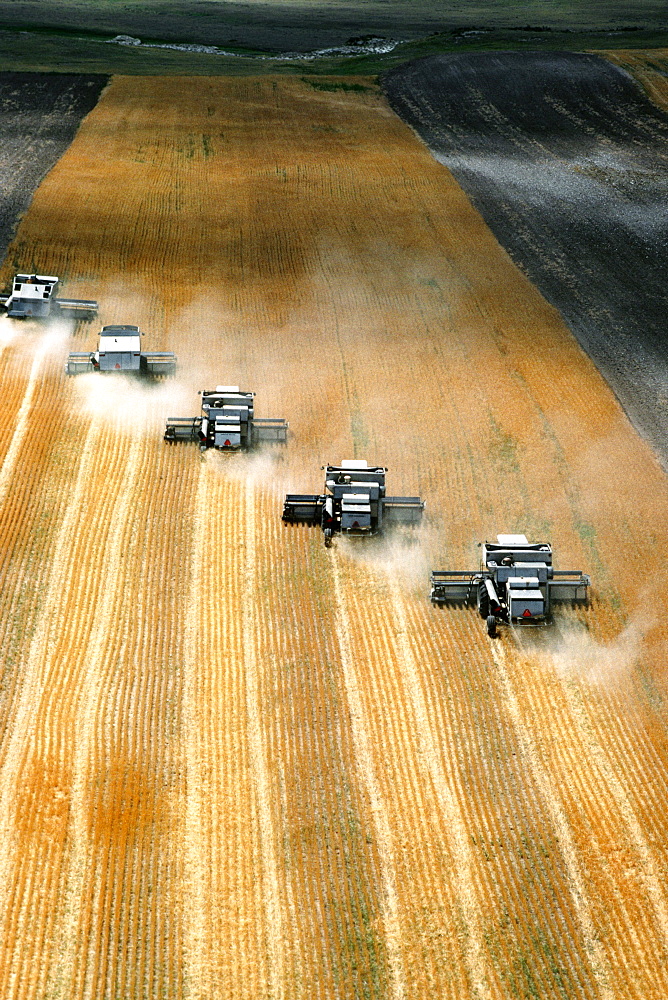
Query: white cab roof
32, 291
512, 540
114, 345
353, 463
227, 388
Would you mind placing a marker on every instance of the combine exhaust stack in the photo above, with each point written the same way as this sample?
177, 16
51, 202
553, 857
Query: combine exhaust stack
33, 295
354, 503
227, 423
515, 585
119, 350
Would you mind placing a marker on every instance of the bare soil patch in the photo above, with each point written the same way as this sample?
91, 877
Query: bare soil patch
565, 157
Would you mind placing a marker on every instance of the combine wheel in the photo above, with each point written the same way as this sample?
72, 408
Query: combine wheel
483, 600
328, 537
491, 626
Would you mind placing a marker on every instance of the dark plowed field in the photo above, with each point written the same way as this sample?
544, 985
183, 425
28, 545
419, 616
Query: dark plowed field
566, 160
39, 116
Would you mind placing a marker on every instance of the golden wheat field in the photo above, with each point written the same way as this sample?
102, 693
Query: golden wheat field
234, 764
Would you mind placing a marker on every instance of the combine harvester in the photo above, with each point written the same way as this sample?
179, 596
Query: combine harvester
32, 295
228, 422
515, 585
354, 503
119, 350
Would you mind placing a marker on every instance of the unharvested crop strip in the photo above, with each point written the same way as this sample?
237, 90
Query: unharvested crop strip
91, 692
30, 520
228, 937
596, 825
196, 910
636, 751
595, 954
427, 868
331, 882
460, 841
21, 425
40, 645
368, 776
258, 753
580, 724
503, 810
49, 701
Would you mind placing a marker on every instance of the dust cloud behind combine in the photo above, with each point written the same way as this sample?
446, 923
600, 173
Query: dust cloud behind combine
234, 763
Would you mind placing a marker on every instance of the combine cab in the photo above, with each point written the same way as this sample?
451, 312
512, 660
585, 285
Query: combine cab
354, 503
516, 583
119, 350
227, 422
33, 295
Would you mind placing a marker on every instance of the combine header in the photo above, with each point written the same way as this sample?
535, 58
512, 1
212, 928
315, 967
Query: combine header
515, 585
228, 422
119, 350
33, 295
354, 503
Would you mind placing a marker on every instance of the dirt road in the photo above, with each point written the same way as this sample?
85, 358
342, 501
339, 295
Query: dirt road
566, 159
234, 763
